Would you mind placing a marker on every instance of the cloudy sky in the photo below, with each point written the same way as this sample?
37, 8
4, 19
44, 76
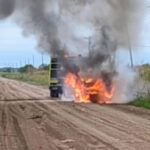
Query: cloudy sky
16, 49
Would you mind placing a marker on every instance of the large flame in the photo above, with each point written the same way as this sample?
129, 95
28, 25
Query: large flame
88, 90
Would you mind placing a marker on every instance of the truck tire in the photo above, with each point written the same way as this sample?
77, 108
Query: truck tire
54, 94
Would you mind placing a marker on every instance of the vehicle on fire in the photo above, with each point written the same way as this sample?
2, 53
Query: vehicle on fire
66, 72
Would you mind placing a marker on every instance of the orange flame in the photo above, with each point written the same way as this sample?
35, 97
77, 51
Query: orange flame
89, 89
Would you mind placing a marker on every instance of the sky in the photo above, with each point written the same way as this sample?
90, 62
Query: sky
17, 50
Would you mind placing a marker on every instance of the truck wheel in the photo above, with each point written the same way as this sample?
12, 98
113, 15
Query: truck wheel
54, 94
94, 98
51, 94
57, 94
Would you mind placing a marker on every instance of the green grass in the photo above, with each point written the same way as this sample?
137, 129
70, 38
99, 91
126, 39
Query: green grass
142, 101
37, 78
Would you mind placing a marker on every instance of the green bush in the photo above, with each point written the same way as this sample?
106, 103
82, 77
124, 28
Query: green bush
26, 68
142, 101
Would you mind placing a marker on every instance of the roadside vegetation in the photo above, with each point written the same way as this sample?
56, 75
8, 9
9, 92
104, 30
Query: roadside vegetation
37, 78
145, 72
29, 74
143, 100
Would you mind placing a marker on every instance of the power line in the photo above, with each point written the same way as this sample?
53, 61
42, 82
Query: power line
33, 60
42, 58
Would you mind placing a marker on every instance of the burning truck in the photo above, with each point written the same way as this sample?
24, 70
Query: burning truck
85, 88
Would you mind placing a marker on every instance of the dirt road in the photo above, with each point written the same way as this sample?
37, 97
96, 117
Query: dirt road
51, 125
14, 90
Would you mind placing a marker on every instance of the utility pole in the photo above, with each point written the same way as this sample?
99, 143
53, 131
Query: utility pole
28, 61
128, 40
33, 60
16, 65
20, 63
42, 59
89, 44
25, 62
130, 48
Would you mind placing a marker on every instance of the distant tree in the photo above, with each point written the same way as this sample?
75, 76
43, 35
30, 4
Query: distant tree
7, 69
44, 67
26, 68
146, 65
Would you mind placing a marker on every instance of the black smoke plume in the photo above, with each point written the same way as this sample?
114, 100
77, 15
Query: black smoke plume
6, 8
52, 23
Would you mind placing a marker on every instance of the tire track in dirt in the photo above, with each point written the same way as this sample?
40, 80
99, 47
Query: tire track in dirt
69, 126
60, 137
74, 131
10, 89
11, 137
22, 141
3, 127
85, 133
43, 139
53, 125
127, 136
122, 125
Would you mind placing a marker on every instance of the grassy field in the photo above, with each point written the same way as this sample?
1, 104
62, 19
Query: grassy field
37, 78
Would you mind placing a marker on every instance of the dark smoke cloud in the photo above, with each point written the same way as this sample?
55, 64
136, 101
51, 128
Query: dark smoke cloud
6, 8
103, 47
36, 20
112, 21
50, 21
44, 18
